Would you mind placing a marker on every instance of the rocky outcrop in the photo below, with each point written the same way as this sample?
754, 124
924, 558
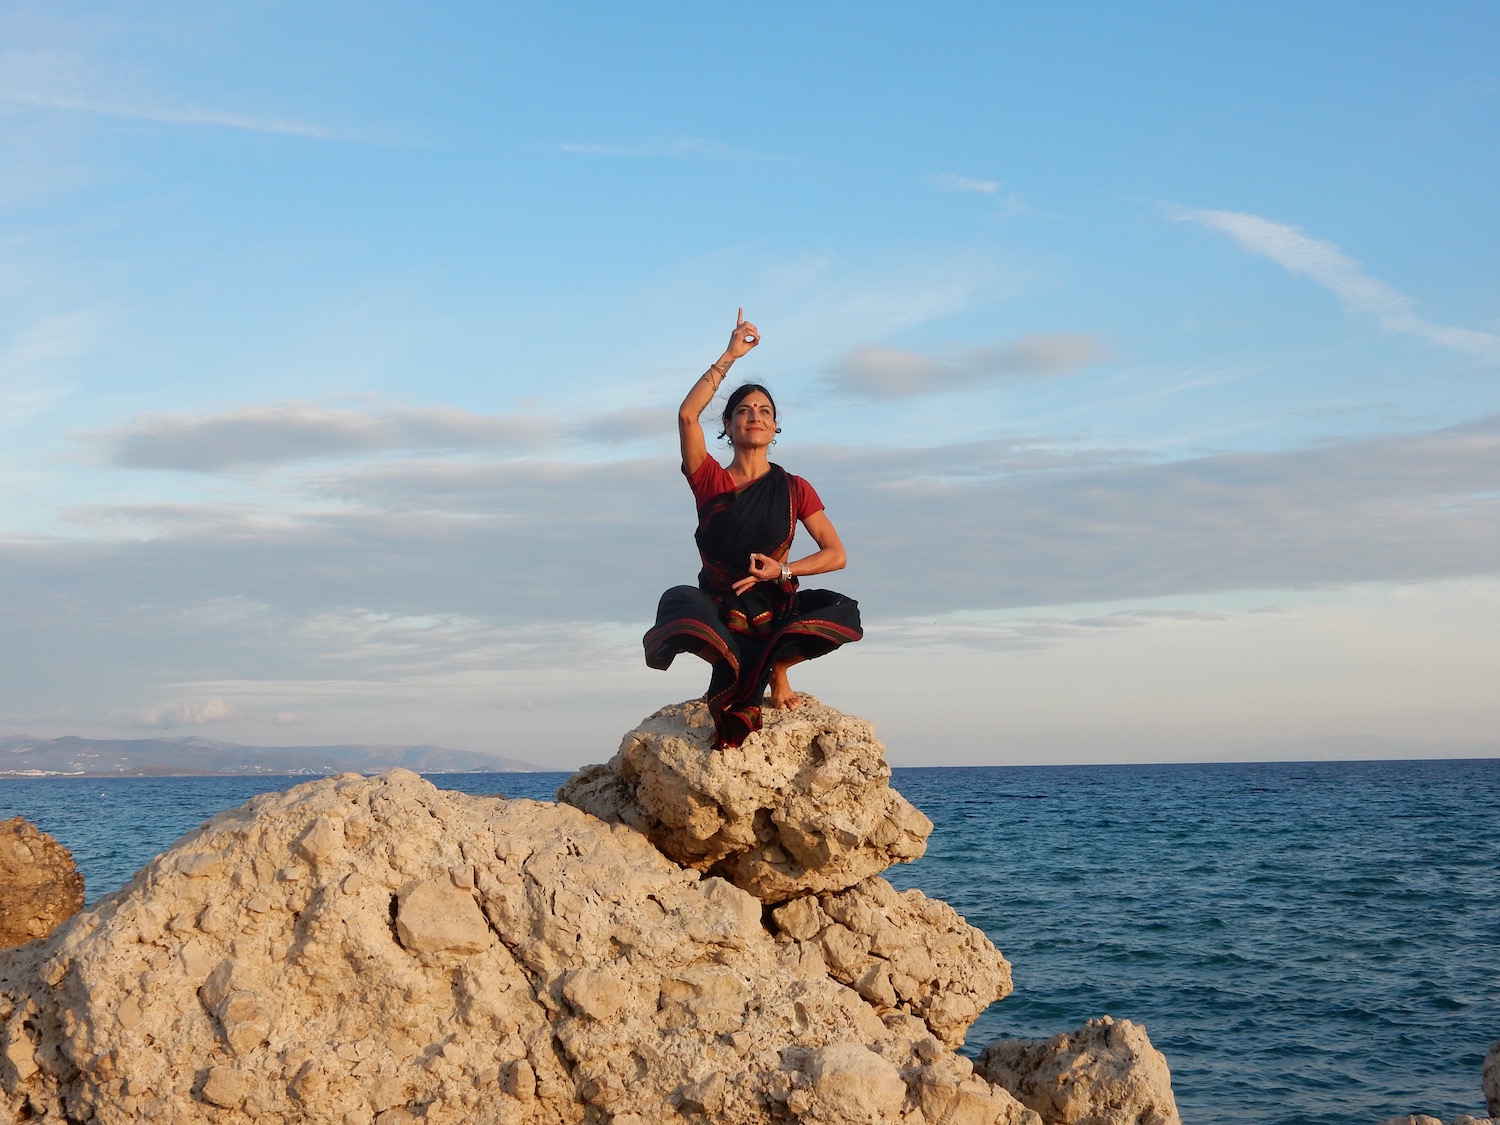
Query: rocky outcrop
1424, 1119
900, 951
40, 887
803, 806
1491, 1079
704, 938
377, 950
1105, 1073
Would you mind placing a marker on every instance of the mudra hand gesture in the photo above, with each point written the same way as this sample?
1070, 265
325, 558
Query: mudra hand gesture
744, 337
763, 568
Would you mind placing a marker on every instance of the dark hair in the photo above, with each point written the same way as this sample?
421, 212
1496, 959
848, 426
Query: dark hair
736, 397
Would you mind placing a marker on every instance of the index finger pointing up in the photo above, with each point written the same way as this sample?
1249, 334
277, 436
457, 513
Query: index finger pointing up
741, 319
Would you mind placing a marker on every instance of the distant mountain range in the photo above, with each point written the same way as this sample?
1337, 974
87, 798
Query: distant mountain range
23, 756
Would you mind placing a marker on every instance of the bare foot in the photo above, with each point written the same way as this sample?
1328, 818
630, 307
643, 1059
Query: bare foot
782, 695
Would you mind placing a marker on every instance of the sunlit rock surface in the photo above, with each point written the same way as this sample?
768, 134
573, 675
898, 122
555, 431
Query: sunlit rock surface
359, 950
1105, 1073
803, 805
40, 886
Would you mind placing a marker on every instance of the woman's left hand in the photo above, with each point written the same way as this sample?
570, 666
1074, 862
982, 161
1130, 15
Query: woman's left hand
763, 568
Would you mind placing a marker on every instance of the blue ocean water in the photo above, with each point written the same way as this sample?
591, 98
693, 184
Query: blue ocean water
1305, 942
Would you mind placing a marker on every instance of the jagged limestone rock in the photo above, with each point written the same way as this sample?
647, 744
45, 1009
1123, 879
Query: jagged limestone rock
1105, 1073
1491, 1079
847, 1084
317, 956
900, 951
40, 886
802, 806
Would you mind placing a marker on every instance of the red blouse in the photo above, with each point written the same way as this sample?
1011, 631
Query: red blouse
712, 479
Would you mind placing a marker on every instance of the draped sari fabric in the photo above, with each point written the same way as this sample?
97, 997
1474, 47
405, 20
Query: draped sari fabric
742, 636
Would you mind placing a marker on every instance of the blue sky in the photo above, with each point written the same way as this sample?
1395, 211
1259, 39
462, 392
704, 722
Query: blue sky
1148, 362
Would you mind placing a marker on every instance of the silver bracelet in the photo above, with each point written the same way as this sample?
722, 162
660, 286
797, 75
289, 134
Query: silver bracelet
786, 571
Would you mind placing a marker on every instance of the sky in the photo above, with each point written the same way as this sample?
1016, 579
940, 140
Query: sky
1147, 361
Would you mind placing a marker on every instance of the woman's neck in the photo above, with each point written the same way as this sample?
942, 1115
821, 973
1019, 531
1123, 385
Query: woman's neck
750, 463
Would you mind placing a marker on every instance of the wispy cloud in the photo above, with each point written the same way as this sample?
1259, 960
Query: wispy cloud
879, 371
1010, 204
628, 425
952, 181
30, 362
48, 80
53, 338
195, 713
1300, 253
670, 147
288, 432
1009, 633
299, 431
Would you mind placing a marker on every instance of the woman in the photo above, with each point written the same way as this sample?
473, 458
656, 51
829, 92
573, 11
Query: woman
746, 616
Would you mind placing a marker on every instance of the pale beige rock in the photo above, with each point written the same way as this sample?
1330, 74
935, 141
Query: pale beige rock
852, 1083
1105, 1073
1490, 1076
40, 887
612, 984
901, 951
322, 840
226, 1087
846, 1083
434, 916
804, 805
950, 1092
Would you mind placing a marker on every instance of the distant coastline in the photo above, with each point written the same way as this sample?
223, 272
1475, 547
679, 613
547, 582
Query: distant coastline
23, 756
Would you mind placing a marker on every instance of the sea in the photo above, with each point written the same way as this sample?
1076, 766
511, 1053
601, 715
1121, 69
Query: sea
1304, 942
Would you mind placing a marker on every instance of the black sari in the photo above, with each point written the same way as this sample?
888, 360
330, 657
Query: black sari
743, 635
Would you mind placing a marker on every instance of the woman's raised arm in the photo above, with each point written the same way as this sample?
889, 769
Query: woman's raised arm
689, 432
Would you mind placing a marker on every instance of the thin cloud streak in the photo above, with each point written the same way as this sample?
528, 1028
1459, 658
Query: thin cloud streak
299, 431
289, 432
986, 633
952, 181
53, 338
879, 371
1300, 253
30, 365
675, 148
46, 80
195, 713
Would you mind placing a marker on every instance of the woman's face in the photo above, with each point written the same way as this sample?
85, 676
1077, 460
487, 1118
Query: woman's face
753, 422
